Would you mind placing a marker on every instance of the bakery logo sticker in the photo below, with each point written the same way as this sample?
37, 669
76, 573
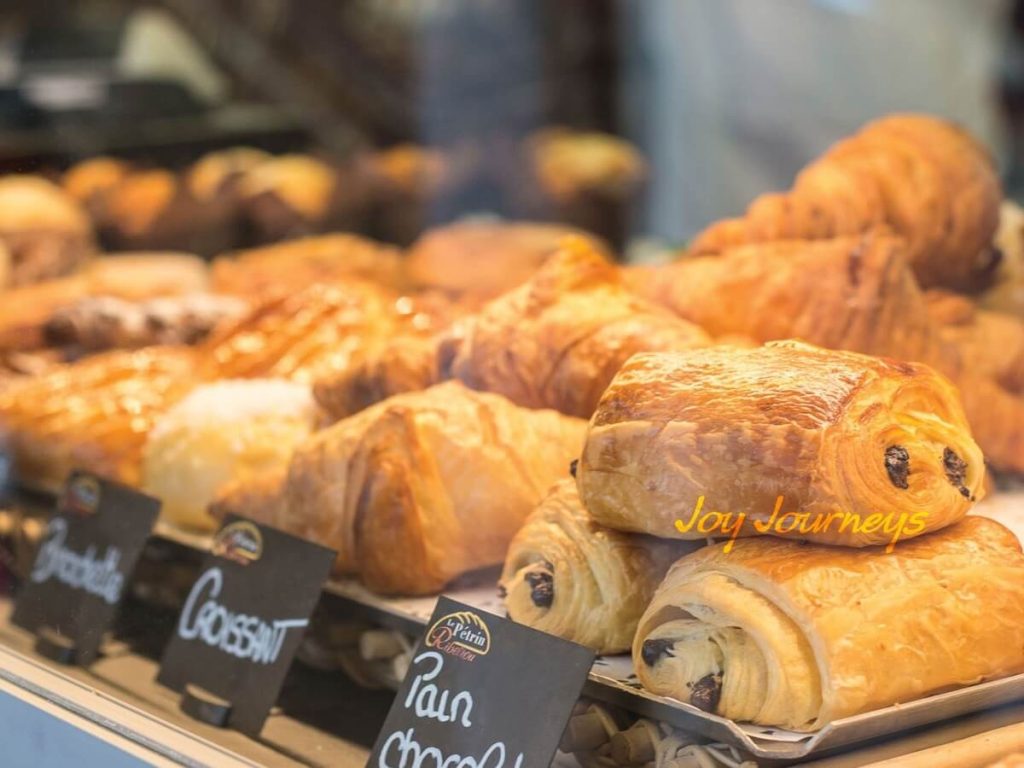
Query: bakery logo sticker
463, 635
81, 496
240, 542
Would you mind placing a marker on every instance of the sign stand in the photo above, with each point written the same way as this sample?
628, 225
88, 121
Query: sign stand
52, 644
242, 623
199, 704
85, 560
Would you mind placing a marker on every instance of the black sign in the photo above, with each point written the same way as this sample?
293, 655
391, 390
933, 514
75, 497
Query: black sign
84, 562
242, 623
482, 691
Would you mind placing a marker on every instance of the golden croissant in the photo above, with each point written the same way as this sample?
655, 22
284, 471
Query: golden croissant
921, 177
814, 444
990, 344
853, 293
796, 636
425, 486
567, 576
556, 341
409, 361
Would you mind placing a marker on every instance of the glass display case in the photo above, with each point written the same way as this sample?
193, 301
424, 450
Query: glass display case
679, 343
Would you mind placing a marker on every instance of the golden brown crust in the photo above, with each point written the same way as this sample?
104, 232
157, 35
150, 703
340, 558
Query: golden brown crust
921, 177
291, 266
568, 163
566, 575
425, 486
90, 179
258, 498
830, 432
407, 361
480, 260
556, 341
797, 636
302, 336
990, 344
854, 293
94, 414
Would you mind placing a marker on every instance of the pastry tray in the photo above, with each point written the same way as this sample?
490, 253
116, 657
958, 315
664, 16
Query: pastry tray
612, 678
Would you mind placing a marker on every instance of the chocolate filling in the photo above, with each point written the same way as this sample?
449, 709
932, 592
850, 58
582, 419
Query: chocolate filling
897, 464
653, 650
706, 693
573, 466
956, 472
542, 585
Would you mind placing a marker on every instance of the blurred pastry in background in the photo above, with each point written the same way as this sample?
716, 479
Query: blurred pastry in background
93, 414
25, 311
1007, 292
405, 184
478, 259
585, 179
296, 264
156, 210
228, 431
90, 180
44, 231
921, 177
216, 174
292, 196
99, 323
990, 344
135, 276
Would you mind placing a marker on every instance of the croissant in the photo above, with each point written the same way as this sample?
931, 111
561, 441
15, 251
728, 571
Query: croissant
408, 362
798, 636
557, 340
291, 266
425, 486
94, 414
990, 344
854, 293
842, 438
303, 335
478, 260
570, 577
923, 178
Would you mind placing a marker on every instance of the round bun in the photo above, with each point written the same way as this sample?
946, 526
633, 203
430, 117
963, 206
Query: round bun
229, 431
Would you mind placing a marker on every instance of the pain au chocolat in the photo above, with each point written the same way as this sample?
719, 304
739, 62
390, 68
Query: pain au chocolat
568, 576
793, 635
859, 446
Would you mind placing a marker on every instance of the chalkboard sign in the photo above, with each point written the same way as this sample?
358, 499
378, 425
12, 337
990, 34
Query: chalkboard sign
84, 562
482, 691
242, 623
